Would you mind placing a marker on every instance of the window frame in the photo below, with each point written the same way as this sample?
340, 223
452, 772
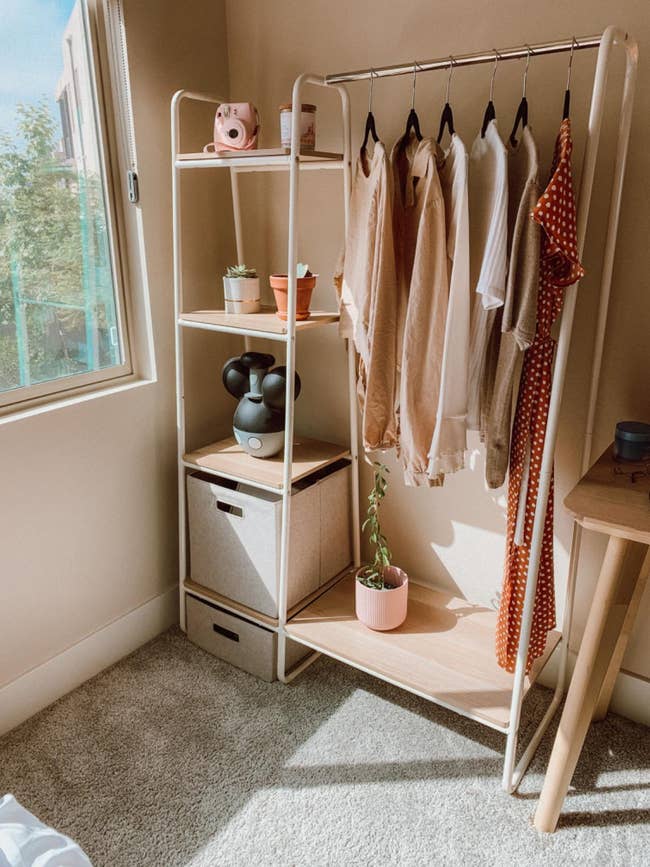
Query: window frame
108, 144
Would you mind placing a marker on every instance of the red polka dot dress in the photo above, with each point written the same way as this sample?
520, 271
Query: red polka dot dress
559, 268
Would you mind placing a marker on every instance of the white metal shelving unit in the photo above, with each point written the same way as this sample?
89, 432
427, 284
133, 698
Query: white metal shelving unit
301, 456
445, 650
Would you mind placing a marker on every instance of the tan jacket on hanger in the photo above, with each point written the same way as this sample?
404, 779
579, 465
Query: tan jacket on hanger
516, 330
421, 257
368, 290
488, 244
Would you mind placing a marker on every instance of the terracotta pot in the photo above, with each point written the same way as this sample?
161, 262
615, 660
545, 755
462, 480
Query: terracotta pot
305, 286
383, 609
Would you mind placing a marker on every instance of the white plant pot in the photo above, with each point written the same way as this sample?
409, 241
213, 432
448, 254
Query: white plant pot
241, 288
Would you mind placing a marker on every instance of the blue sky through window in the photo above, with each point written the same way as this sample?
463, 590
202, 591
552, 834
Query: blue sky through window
30, 53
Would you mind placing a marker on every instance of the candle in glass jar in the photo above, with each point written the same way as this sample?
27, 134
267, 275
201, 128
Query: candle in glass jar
307, 126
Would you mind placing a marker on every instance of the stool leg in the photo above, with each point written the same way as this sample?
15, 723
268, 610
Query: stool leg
638, 562
603, 628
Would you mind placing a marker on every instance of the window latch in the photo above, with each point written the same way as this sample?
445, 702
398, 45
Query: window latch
132, 186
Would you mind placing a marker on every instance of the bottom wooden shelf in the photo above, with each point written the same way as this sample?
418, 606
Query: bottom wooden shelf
247, 613
443, 651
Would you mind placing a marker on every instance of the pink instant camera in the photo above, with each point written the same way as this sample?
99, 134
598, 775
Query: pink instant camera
236, 125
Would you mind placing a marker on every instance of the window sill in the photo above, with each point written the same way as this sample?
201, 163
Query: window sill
56, 402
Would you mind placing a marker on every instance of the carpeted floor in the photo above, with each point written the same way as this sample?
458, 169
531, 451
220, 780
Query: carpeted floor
174, 759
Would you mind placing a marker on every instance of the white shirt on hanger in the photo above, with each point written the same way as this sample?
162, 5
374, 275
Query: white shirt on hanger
449, 443
488, 226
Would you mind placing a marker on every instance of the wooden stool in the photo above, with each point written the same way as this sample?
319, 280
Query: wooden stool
613, 498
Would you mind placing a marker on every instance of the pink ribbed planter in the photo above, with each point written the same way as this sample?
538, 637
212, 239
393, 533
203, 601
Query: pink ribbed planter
383, 609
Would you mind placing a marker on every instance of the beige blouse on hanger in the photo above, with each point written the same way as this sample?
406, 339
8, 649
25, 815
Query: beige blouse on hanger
368, 289
421, 256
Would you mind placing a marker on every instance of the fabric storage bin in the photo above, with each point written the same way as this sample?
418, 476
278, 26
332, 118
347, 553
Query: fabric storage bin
235, 536
237, 641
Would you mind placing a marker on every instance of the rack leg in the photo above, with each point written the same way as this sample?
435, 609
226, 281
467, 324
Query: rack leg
290, 363
300, 667
354, 453
236, 212
512, 778
282, 656
531, 749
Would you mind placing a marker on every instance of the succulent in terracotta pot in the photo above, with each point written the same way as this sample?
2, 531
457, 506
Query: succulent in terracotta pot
381, 589
305, 283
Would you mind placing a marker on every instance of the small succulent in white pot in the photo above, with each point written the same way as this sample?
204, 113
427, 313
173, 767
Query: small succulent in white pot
241, 289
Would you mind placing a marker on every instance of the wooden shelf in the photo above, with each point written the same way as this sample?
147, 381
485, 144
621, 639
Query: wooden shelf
249, 613
266, 322
209, 595
227, 458
443, 651
263, 159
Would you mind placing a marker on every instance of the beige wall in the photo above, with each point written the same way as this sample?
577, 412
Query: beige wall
454, 536
88, 492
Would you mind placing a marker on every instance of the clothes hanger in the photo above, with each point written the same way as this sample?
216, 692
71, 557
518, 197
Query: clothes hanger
370, 120
447, 117
567, 92
490, 113
412, 121
522, 111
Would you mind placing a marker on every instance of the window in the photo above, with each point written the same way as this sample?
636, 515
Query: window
62, 322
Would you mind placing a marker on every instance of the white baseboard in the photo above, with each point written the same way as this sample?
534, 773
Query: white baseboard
631, 696
39, 687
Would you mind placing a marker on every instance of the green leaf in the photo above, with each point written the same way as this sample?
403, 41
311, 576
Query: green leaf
382, 555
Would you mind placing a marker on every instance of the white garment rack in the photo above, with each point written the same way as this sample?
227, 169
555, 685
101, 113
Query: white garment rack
605, 43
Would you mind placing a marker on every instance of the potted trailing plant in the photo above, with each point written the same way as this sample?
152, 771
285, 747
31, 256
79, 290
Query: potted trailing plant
381, 589
241, 289
305, 286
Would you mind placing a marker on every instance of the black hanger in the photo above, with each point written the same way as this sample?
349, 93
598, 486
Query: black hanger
412, 121
371, 129
447, 116
567, 93
522, 111
490, 113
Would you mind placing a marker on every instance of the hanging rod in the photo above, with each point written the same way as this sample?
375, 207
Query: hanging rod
468, 59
